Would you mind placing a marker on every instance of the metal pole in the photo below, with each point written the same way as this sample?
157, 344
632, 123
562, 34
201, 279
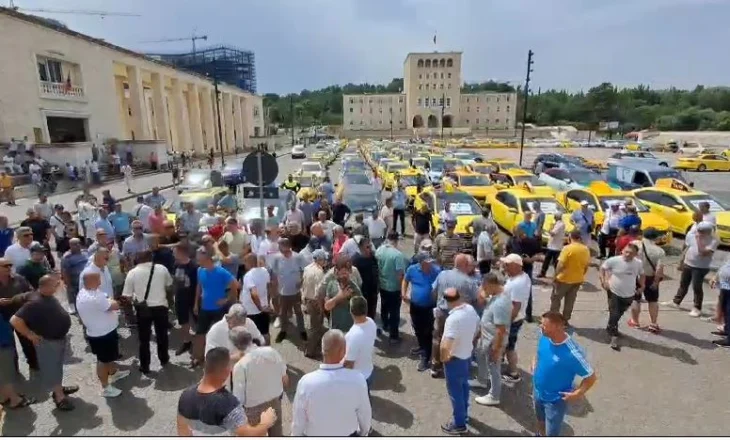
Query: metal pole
261, 182
218, 111
291, 109
391, 121
524, 104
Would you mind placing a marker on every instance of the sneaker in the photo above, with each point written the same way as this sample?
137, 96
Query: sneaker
511, 377
423, 365
671, 304
437, 374
111, 391
487, 400
451, 429
724, 343
119, 375
695, 313
633, 324
614, 343
186, 346
277, 322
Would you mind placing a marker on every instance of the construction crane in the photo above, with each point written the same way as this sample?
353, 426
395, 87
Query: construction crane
192, 38
102, 14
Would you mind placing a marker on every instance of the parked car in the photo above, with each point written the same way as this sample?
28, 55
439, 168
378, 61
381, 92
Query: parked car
639, 157
692, 148
632, 175
563, 180
297, 152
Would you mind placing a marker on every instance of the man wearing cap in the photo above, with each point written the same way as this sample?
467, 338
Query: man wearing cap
609, 230
652, 256
391, 269
696, 263
42, 232
421, 220
35, 267
519, 288
447, 245
19, 252
367, 265
583, 220
619, 277
416, 291
312, 276
570, 273
287, 267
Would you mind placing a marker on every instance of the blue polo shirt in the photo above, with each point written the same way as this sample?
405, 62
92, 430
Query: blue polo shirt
106, 225
529, 228
121, 223
213, 285
556, 368
422, 284
628, 221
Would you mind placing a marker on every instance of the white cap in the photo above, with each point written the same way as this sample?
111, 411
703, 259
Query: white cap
512, 259
583, 203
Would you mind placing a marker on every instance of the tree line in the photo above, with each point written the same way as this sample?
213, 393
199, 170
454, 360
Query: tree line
635, 108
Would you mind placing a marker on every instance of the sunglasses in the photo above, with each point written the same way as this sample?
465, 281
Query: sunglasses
451, 298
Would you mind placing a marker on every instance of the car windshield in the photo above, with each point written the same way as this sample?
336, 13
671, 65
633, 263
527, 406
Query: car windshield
666, 174
437, 164
506, 165
461, 203
532, 180
309, 167
397, 167
196, 178
307, 180
361, 202
355, 179
548, 205
200, 202
412, 180
694, 201
584, 177
474, 181
419, 162
607, 201
452, 163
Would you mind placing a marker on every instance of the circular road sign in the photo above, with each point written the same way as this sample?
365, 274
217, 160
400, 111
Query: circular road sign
269, 168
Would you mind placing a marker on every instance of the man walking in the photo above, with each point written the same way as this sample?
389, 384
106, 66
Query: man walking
519, 288
287, 268
554, 245
391, 269
367, 265
573, 264
399, 209
696, 262
312, 276
652, 257
619, 277
447, 245
421, 219
416, 292
360, 340
583, 220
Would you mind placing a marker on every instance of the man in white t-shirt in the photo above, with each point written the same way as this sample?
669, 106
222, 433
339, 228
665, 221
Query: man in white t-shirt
457, 345
210, 218
327, 225
128, 174
554, 245
217, 336
518, 288
19, 252
269, 247
386, 213
360, 340
376, 229
142, 213
254, 294
619, 277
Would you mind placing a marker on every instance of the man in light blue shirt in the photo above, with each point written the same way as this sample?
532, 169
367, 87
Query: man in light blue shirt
103, 223
327, 189
122, 224
391, 269
583, 220
229, 201
527, 225
399, 209
155, 199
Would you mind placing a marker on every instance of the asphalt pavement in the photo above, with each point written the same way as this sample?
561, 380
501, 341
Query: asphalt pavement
665, 384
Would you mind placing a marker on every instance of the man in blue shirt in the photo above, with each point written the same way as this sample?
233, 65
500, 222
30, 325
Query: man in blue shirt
122, 224
327, 189
229, 201
155, 199
417, 290
104, 223
399, 209
630, 219
558, 361
527, 225
583, 220
6, 235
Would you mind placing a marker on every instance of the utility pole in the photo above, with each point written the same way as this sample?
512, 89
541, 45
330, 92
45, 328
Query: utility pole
391, 120
291, 109
218, 109
530, 53
443, 109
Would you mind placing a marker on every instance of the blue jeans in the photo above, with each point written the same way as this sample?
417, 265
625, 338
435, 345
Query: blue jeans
457, 384
490, 371
552, 414
390, 312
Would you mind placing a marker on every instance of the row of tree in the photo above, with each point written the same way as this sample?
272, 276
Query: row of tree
703, 108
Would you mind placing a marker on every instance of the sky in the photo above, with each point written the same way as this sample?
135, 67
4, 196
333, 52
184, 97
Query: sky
310, 44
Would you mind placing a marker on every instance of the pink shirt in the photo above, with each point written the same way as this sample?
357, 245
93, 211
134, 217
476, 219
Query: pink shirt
156, 222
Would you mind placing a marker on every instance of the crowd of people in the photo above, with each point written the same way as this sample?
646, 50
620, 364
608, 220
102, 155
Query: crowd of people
227, 287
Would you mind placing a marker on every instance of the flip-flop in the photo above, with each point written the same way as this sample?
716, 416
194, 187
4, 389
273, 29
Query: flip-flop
24, 403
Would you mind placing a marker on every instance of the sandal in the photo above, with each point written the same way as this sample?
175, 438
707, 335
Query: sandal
73, 389
64, 405
654, 328
24, 402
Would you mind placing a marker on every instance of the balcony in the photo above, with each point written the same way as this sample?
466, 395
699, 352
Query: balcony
61, 90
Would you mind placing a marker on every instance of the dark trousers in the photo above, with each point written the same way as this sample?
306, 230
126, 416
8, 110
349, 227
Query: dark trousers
399, 213
695, 276
157, 318
422, 321
28, 351
49, 255
528, 269
725, 305
371, 296
617, 306
390, 312
607, 243
551, 258
485, 266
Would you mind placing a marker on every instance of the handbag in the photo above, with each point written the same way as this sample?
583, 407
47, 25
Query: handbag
143, 310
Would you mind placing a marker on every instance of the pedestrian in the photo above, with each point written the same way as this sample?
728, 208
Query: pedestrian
392, 265
609, 230
146, 286
287, 268
6, 235
7, 187
447, 245
337, 291
210, 218
121, 223
19, 252
35, 267
107, 200
95, 174
43, 321
358, 227
339, 239
630, 220
696, 262
527, 247
315, 412
367, 265
157, 219
134, 245
518, 288
387, 213
142, 212
307, 208
217, 289
103, 223
416, 291
376, 229
555, 244
623, 278
539, 220
185, 282
311, 278
100, 317
340, 212
570, 274
457, 344
99, 264
10, 397
494, 324
42, 232
258, 379
43, 208
722, 280
296, 237
294, 215
155, 199
254, 294
219, 333
360, 340
73, 263
400, 199
583, 220
327, 225
153, 161
484, 223
446, 216
208, 408
327, 189
629, 236
421, 220
116, 162
484, 251
652, 257
559, 359
707, 215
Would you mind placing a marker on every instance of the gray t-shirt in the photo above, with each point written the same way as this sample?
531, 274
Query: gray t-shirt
498, 311
288, 273
458, 280
190, 222
624, 275
693, 258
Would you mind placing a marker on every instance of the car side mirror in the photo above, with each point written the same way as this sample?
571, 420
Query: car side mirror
513, 210
679, 208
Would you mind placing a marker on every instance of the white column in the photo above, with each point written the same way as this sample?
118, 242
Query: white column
196, 129
208, 115
180, 112
227, 114
238, 121
136, 102
158, 102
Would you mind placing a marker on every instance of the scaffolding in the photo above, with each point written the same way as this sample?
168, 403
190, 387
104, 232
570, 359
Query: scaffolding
232, 66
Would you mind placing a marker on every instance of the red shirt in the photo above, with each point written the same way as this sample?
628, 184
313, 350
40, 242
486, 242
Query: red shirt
216, 231
156, 222
622, 241
338, 244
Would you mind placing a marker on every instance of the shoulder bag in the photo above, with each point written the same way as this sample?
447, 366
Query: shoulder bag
143, 310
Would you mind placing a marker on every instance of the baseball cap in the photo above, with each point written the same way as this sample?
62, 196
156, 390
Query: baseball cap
37, 247
424, 257
705, 226
512, 259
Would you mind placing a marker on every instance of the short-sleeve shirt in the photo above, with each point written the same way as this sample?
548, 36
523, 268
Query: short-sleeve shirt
46, 317
288, 273
556, 367
518, 288
72, 265
236, 242
653, 253
185, 278
340, 317
213, 284
360, 346
624, 274
190, 223
498, 311
133, 246
211, 414
94, 312
574, 259
461, 326
422, 284
693, 258
391, 265
121, 221
257, 278
453, 278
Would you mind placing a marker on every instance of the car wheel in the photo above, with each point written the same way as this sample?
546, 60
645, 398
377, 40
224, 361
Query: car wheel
663, 164
702, 167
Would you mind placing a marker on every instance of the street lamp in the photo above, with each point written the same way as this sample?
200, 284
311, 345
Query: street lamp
218, 109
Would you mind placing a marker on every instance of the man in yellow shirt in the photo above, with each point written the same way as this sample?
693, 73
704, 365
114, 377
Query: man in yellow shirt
6, 186
573, 264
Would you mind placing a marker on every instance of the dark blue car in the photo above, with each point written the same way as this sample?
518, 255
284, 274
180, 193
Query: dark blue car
233, 173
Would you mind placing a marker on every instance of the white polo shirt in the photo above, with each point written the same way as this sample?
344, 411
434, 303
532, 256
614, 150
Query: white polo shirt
135, 285
360, 346
17, 255
93, 309
218, 335
331, 402
107, 286
259, 278
461, 326
258, 376
518, 288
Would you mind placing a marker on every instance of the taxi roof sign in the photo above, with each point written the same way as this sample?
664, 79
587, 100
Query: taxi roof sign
675, 184
527, 187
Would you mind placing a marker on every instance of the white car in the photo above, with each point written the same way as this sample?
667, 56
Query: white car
692, 148
312, 169
637, 156
297, 152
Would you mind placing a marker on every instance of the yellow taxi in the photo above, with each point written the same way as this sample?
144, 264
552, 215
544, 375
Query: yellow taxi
199, 198
410, 179
476, 185
509, 207
309, 184
461, 204
600, 196
389, 171
676, 201
517, 177
703, 162
501, 165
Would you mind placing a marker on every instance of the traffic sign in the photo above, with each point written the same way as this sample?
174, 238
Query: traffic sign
269, 168
254, 192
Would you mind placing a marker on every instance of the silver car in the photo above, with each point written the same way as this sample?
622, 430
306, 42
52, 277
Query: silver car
639, 157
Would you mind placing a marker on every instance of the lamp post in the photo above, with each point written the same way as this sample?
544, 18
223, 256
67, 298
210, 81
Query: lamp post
218, 109
291, 109
391, 120
530, 53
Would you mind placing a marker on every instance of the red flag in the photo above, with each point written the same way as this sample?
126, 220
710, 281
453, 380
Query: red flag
67, 85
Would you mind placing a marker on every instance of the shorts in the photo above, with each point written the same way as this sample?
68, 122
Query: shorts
7, 365
514, 330
262, 321
184, 305
51, 355
105, 348
651, 293
206, 319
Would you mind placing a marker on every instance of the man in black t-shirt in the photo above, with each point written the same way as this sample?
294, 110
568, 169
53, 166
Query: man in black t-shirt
185, 274
421, 220
340, 212
41, 229
367, 266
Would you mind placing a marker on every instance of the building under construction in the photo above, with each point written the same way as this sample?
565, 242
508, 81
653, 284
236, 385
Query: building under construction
232, 66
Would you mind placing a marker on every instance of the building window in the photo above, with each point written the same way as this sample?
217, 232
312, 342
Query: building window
352, 101
380, 110
435, 63
441, 102
497, 100
448, 102
360, 110
449, 86
507, 98
360, 122
426, 86
350, 122
420, 76
350, 109
418, 102
497, 109
401, 122
467, 121
425, 102
489, 109
400, 110
419, 87
427, 76
506, 122
420, 63
468, 109
486, 121
50, 71
449, 63
360, 100
487, 98
477, 109
371, 111
442, 75
255, 111
442, 63
400, 100
381, 122
441, 86
448, 75
434, 86
42, 72
370, 101
477, 121
428, 64
467, 99
507, 109
496, 121
433, 102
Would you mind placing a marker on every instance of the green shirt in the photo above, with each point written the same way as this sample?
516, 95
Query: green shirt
391, 266
340, 317
33, 272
